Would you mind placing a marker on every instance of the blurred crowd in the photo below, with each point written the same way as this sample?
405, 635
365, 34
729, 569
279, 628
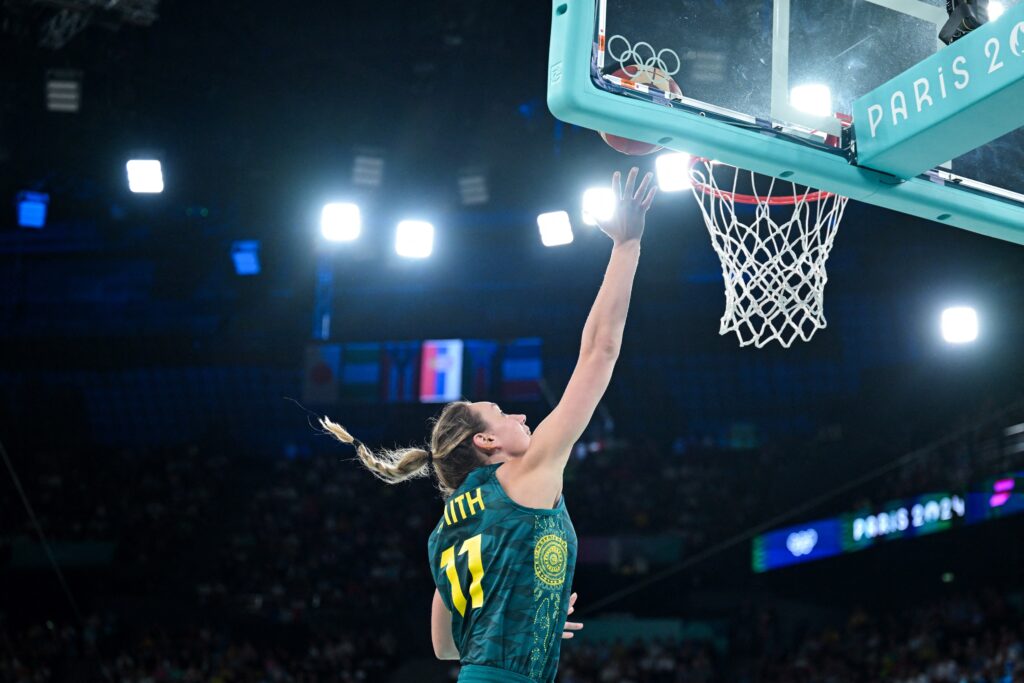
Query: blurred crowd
103, 649
971, 638
975, 638
313, 544
655, 661
964, 639
289, 538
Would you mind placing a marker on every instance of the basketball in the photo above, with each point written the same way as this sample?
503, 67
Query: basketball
644, 75
631, 147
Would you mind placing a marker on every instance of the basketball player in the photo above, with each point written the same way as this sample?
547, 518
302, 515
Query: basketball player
503, 554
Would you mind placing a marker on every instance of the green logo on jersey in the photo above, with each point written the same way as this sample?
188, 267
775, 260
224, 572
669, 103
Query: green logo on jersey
549, 559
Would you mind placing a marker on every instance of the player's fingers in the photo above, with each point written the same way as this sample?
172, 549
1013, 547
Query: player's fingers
643, 186
650, 197
572, 599
631, 181
566, 636
617, 184
573, 626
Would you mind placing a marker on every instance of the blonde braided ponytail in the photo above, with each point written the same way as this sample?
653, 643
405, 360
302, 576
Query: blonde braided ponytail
451, 453
391, 466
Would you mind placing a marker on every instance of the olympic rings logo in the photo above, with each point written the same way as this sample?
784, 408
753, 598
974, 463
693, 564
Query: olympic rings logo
643, 57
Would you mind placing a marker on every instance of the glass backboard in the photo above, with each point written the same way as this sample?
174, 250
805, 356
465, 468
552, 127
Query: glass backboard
769, 85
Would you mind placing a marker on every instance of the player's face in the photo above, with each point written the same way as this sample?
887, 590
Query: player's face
508, 435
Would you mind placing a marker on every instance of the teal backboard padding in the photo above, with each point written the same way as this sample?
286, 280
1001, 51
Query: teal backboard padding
574, 98
960, 98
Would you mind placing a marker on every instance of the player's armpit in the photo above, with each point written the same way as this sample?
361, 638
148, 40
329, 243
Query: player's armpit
441, 629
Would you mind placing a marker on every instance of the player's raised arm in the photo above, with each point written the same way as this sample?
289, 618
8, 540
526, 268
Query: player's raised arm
602, 334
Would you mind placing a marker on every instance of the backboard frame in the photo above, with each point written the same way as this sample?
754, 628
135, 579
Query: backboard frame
757, 145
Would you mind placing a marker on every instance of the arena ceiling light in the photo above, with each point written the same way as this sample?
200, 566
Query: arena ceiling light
368, 169
145, 176
959, 325
32, 209
414, 239
473, 187
813, 98
673, 171
598, 205
63, 90
246, 256
340, 222
555, 228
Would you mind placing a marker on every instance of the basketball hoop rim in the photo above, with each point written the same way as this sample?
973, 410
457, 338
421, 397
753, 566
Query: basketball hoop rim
784, 200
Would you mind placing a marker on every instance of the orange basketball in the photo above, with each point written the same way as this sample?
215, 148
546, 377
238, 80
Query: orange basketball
628, 146
632, 76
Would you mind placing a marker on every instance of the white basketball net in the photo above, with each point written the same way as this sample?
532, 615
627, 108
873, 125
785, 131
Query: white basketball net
773, 261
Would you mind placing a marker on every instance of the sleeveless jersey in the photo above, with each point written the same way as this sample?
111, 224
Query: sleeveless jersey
505, 572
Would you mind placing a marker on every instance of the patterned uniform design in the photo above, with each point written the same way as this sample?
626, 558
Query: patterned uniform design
505, 573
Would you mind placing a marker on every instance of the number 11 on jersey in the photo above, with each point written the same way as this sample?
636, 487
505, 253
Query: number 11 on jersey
470, 546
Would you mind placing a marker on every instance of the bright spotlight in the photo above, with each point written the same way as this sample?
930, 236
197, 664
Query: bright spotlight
414, 239
340, 222
555, 229
995, 10
813, 98
959, 325
673, 171
145, 175
598, 205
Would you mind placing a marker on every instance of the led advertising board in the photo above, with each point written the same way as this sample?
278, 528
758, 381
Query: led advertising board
921, 515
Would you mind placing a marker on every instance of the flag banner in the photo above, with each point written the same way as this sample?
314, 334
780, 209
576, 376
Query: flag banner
480, 361
399, 364
521, 370
320, 378
360, 372
441, 371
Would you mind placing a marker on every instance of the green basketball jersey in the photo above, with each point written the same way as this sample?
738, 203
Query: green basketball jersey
505, 573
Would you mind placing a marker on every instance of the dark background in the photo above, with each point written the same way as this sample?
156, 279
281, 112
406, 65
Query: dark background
257, 111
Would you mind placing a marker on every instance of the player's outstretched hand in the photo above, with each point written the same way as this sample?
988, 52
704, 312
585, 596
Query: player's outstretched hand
571, 626
627, 223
